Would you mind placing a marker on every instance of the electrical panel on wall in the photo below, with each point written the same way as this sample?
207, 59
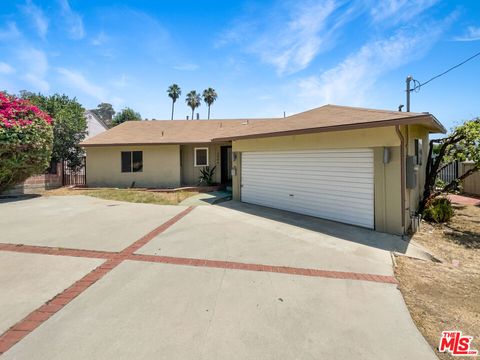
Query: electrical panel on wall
411, 172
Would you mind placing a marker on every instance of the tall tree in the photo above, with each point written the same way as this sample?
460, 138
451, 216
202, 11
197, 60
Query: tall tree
105, 112
193, 100
209, 96
126, 114
69, 125
174, 93
462, 144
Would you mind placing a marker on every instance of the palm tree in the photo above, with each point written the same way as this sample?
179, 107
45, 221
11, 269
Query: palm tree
193, 100
209, 96
174, 93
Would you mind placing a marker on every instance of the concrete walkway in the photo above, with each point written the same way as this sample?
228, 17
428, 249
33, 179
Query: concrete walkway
210, 198
179, 292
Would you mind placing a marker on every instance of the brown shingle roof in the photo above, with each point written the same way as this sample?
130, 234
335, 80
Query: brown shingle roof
325, 118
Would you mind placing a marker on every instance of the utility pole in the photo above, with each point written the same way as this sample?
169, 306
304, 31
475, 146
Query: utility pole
408, 80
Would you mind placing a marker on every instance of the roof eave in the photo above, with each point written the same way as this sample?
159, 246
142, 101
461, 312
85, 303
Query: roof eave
426, 119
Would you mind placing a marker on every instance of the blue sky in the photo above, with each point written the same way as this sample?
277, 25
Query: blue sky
262, 57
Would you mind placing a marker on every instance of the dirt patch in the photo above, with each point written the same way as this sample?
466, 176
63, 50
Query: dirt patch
136, 196
445, 296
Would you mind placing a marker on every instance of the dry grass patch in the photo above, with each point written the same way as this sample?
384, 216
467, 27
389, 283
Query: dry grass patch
129, 195
445, 296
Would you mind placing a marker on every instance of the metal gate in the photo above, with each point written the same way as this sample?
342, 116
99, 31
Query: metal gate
74, 176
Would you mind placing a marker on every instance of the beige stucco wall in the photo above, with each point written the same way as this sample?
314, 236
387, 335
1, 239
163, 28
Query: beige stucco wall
161, 166
387, 177
190, 172
471, 185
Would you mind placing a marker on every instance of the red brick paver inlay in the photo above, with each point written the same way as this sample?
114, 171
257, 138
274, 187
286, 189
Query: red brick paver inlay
113, 259
464, 200
265, 268
37, 317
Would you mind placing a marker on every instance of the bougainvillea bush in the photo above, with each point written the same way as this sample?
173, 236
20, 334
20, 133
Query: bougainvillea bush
25, 140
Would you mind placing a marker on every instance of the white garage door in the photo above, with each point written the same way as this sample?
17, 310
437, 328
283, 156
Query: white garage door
331, 184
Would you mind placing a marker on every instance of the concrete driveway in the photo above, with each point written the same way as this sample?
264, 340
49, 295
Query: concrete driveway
213, 282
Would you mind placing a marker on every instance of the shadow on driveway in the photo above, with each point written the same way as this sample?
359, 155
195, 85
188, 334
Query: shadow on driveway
352, 233
13, 198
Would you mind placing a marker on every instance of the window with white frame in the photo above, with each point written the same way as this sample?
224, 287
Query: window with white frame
201, 156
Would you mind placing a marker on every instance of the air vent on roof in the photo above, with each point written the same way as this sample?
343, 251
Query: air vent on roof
245, 122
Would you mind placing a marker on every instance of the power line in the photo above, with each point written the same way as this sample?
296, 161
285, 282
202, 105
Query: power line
417, 84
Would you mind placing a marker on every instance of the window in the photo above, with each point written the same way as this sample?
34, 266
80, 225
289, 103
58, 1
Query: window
132, 161
418, 151
201, 156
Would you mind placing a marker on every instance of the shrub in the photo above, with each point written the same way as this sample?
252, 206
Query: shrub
25, 140
206, 177
439, 210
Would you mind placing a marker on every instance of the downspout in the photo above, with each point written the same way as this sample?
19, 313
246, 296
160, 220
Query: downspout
402, 172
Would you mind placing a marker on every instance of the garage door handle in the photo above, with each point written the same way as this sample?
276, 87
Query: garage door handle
290, 195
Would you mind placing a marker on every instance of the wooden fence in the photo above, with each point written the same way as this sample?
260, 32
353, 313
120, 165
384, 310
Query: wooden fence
449, 172
471, 185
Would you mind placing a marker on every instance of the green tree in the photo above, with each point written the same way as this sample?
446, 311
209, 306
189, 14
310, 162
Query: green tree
69, 125
209, 97
25, 140
193, 100
105, 112
126, 114
462, 144
174, 93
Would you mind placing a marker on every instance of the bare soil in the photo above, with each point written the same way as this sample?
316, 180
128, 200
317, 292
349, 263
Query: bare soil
445, 296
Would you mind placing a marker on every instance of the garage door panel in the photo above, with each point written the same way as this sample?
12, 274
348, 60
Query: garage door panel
333, 184
333, 193
303, 199
305, 177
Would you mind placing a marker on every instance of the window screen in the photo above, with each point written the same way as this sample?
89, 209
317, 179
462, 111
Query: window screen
126, 161
201, 157
137, 163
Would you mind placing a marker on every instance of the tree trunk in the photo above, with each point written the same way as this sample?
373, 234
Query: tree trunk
208, 112
173, 105
193, 109
433, 167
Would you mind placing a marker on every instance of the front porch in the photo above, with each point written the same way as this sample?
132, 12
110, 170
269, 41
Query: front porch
195, 157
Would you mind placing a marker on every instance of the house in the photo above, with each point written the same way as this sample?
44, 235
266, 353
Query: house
95, 125
358, 166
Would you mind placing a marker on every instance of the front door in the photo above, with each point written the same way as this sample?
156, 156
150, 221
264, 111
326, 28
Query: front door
226, 165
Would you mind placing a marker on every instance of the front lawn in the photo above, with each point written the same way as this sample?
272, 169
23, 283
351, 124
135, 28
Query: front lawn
129, 195
445, 296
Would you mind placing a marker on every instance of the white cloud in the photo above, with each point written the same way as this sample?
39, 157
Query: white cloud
186, 67
296, 46
350, 81
10, 31
35, 68
291, 37
6, 68
472, 34
120, 82
72, 20
38, 18
397, 11
100, 39
78, 81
